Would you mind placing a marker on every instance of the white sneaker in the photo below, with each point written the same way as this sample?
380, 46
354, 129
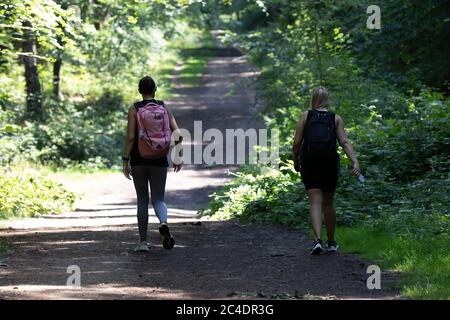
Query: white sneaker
142, 247
317, 248
332, 246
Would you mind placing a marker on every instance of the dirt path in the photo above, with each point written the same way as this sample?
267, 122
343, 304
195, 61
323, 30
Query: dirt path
211, 260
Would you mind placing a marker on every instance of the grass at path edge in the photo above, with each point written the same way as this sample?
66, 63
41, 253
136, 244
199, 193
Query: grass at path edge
195, 60
424, 264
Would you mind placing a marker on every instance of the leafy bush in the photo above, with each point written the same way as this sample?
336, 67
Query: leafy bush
79, 133
30, 193
274, 196
17, 143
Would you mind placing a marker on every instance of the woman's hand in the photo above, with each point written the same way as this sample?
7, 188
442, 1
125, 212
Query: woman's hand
356, 170
127, 170
176, 167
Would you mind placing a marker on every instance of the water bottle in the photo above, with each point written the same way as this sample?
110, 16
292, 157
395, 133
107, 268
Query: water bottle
361, 178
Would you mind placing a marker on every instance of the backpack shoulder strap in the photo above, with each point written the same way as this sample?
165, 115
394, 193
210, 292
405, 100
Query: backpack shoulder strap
155, 102
332, 119
308, 119
309, 116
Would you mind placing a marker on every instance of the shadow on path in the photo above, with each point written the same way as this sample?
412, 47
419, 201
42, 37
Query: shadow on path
213, 260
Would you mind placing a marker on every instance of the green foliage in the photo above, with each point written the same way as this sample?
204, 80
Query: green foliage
102, 134
87, 128
274, 196
28, 193
59, 139
45, 18
17, 142
425, 265
409, 50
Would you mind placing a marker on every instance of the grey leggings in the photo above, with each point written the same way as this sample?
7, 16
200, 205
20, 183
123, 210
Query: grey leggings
142, 175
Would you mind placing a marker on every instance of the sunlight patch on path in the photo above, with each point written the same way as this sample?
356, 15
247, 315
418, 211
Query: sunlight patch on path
96, 219
105, 291
108, 199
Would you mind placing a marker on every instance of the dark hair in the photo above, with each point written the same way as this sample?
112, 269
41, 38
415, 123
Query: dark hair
147, 85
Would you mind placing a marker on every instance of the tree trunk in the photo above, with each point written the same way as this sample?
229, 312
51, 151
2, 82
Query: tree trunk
57, 79
59, 58
33, 86
57, 68
3, 60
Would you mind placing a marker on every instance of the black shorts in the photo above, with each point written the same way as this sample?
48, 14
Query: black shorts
320, 173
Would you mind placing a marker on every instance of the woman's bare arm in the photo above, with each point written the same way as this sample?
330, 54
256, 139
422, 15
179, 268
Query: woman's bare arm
298, 139
172, 120
131, 132
174, 127
129, 140
346, 145
173, 124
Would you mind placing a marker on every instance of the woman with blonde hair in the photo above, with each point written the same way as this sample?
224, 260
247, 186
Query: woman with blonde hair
317, 160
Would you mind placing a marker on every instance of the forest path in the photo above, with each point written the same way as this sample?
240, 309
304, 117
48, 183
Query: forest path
211, 260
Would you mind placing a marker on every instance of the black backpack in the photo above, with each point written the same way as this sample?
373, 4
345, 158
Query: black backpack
319, 134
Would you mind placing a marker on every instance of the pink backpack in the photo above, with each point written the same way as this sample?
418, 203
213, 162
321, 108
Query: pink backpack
154, 131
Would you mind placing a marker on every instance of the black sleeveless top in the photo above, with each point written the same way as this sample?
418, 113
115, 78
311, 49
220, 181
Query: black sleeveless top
135, 157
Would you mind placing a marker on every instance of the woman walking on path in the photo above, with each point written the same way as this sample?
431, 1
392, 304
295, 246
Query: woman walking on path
317, 160
151, 168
